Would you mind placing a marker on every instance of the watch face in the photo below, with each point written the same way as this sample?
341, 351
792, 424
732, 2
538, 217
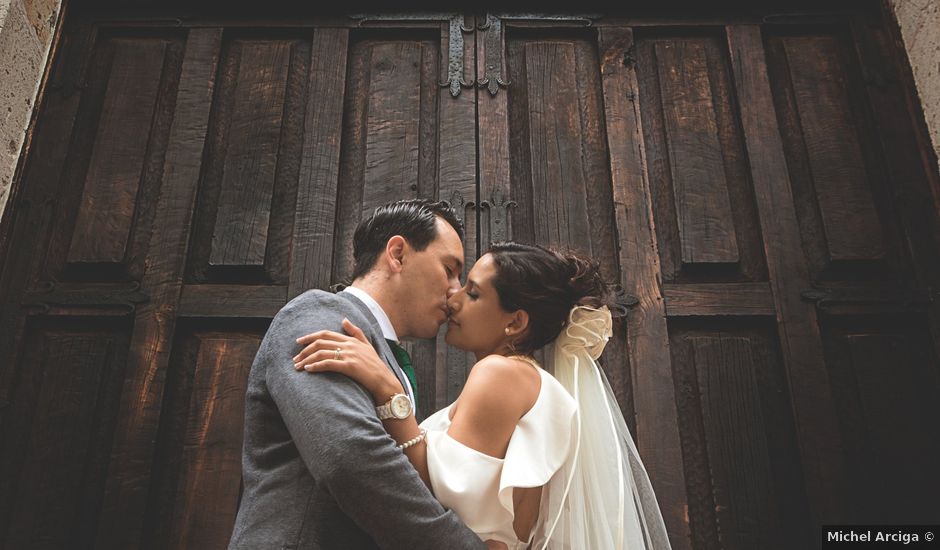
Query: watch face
401, 406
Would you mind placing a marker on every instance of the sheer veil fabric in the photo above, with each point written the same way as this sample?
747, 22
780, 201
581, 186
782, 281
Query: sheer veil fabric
601, 498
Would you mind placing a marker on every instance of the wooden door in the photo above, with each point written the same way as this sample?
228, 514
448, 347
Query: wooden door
186, 181
754, 185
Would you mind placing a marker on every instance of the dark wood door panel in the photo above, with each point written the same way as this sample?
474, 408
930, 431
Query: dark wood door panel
843, 199
754, 188
196, 481
739, 445
113, 171
58, 428
242, 226
886, 380
703, 201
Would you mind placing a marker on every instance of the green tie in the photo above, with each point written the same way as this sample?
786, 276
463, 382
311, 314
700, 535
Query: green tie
405, 363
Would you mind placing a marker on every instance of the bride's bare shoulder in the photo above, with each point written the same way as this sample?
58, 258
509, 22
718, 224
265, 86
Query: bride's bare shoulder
498, 392
511, 382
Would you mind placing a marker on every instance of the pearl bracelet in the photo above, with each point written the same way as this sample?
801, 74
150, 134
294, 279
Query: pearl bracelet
415, 440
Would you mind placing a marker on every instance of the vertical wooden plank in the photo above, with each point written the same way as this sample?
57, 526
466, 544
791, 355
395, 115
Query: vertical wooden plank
393, 120
121, 517
811, 399
315, 214
887, 385
241, 229
427, 353
34, 211
699, 182
56, 452
745, 502
107, 208
600, 211
209, 486
352, 159
557, 171
457, 184
657, 431
890, 400
839, 174
910, 171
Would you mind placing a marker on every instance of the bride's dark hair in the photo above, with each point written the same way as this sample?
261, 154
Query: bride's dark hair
547, 283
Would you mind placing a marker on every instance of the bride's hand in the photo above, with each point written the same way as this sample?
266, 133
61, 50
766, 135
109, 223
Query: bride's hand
356, 359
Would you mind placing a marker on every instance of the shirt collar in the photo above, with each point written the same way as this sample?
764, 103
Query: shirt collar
388, 331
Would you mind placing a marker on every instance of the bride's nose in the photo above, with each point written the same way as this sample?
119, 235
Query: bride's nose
453, 302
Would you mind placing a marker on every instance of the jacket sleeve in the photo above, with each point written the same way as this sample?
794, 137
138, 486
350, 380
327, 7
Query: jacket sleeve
333, 423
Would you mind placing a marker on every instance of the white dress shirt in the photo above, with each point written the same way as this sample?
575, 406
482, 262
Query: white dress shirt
388, 331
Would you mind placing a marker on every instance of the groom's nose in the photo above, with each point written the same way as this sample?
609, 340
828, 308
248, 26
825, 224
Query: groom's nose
453, 289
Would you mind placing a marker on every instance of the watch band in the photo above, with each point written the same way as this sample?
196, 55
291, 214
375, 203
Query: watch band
385, 411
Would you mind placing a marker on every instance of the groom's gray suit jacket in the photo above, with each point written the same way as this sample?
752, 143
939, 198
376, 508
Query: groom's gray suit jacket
319, 469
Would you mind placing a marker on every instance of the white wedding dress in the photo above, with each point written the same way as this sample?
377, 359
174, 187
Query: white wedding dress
479, 487
573, 442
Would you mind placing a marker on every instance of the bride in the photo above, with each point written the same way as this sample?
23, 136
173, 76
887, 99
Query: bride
522, 457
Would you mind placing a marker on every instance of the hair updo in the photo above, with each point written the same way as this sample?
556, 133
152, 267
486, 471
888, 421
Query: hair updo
547, 283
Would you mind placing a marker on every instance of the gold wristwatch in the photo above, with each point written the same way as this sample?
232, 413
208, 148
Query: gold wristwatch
398, 407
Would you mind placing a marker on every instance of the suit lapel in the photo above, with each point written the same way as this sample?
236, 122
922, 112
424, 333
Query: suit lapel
378, 341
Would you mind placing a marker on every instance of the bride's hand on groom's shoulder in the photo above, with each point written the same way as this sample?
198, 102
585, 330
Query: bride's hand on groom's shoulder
496, 545
350, 354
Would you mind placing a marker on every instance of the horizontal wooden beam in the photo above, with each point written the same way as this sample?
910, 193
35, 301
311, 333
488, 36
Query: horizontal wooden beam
683, 300
232, 301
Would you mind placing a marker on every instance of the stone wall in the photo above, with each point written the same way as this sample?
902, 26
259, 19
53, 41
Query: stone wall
26, 31
919, 21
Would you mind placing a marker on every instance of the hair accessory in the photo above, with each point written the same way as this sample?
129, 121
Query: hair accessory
588, 328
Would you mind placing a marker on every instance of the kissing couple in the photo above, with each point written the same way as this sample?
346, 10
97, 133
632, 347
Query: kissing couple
334, 457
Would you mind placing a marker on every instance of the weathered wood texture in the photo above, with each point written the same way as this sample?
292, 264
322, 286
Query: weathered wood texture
132, 452
403, 137
885, 382
818, 437
196, 481
699, 184
242, 227
104, 221
718, 299
656, 426
820, 88
702, 198
559, 172
252, 141
33, 218
741, 465
759, 189
460, 171
315, 211
56, 450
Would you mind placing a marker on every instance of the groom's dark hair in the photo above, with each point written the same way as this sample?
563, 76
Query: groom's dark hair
413, 219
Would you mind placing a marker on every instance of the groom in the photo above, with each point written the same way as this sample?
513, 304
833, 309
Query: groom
318, 467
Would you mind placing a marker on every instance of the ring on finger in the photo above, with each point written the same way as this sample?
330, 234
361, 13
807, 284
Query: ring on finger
336, 354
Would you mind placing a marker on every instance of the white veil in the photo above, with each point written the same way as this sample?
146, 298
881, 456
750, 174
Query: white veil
601, 498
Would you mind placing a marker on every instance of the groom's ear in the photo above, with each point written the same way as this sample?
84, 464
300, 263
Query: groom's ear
394, 253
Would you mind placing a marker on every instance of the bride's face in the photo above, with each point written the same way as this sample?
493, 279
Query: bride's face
477, 320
